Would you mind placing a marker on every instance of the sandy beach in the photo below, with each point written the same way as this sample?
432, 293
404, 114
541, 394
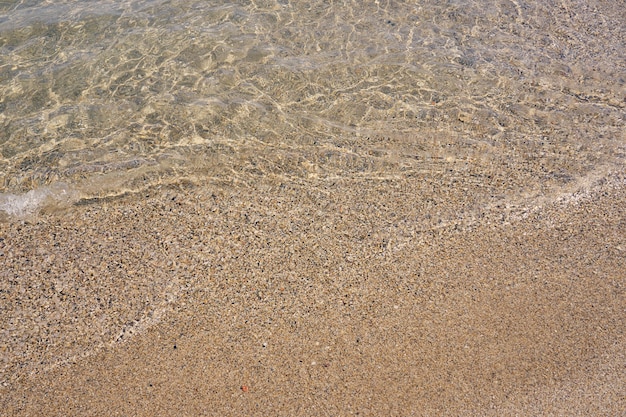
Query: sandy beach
296, 208
316, 298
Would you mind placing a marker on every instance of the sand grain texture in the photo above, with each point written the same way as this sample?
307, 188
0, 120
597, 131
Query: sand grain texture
320, 299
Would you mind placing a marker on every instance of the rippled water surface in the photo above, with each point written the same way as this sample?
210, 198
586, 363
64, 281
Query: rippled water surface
101, 98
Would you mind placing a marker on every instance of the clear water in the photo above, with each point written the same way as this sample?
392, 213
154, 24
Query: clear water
100, 98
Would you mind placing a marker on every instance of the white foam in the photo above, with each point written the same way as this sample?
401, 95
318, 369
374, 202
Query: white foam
22, 205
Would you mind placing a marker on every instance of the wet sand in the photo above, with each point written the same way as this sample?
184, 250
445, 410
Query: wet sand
317, 298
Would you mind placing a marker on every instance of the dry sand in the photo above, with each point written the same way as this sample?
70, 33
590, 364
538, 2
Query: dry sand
316, 298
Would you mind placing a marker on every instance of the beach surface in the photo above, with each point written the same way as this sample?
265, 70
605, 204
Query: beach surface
317, 297
296, 208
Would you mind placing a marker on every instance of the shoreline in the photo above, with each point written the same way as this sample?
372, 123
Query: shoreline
317, 301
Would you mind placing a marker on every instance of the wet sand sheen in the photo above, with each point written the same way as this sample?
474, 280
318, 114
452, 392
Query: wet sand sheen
319, 299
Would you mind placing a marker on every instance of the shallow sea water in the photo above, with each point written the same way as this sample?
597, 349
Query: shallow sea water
103, 98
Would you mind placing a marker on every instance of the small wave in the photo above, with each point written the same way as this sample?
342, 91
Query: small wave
23, 205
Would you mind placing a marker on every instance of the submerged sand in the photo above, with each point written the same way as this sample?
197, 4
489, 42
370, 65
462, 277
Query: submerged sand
317, 298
